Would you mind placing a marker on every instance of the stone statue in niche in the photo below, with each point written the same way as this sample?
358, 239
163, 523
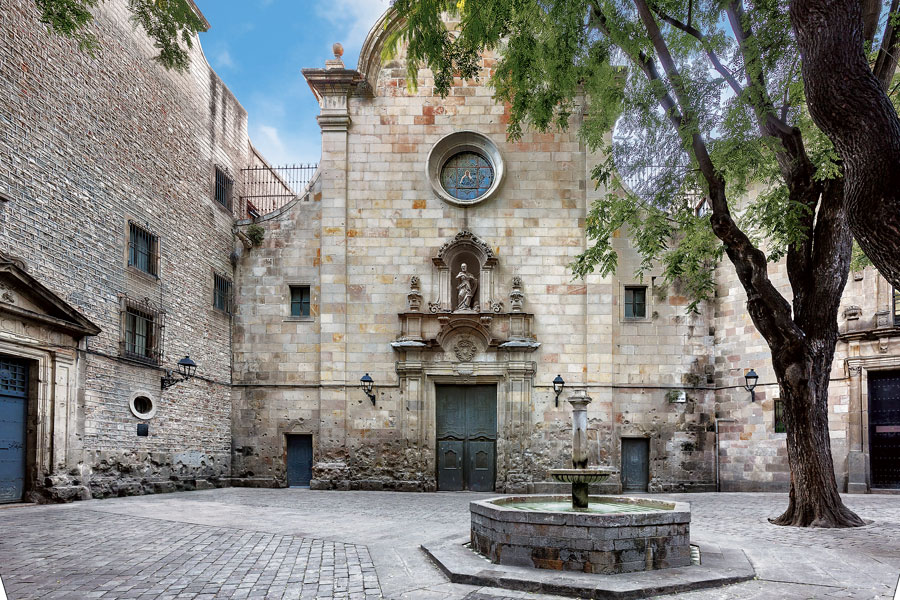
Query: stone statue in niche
465, 288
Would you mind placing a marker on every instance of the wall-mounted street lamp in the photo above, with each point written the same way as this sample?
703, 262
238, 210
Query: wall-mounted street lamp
365, 384
558, 385
751, 378
186, 369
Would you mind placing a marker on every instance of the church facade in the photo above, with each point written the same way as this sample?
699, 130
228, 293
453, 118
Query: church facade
408, 323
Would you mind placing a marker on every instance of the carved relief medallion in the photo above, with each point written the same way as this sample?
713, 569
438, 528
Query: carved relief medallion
465, 349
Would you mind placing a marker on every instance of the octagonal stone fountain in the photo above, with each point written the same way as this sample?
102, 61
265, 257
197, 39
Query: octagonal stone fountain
591, 534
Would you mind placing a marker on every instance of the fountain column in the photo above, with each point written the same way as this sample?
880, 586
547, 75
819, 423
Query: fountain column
579, 401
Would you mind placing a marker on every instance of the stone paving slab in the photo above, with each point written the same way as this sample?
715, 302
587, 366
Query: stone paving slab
90, 554
387, 529
462, 565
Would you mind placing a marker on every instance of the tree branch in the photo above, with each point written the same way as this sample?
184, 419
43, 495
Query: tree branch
850, 106
796, 167
698, 35
886, 61
871, 10
770, 312
765, 111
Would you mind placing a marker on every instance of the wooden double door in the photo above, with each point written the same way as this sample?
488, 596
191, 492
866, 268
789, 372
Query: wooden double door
466, 423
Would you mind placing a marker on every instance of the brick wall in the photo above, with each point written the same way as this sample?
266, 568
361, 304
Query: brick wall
87, 144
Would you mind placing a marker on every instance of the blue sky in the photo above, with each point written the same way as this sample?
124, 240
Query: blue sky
258, 48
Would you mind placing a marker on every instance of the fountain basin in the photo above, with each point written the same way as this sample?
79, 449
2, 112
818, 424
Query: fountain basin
586, 475
616, 534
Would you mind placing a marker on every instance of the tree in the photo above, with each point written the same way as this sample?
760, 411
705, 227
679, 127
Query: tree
849, 100
711, 92
169, 23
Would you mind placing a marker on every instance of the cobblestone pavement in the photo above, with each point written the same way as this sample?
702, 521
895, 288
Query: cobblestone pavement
240, 543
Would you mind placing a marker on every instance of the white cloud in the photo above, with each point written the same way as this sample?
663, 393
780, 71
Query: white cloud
354, 19
223, 59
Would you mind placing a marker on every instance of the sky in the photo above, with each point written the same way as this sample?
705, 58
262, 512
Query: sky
258, 48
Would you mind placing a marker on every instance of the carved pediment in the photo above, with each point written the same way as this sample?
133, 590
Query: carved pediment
23, 297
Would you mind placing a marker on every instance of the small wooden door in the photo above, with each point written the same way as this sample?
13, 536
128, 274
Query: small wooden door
299, 460
466, 437
884, 428
13, 415
635, 464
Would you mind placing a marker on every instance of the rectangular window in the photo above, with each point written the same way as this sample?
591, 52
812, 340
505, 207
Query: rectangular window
636, 303
221, 293
780, 426
143, 249
896, 307
142, 326
300, 300
224, 186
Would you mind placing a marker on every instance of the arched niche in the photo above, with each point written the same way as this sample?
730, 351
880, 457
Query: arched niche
480, 261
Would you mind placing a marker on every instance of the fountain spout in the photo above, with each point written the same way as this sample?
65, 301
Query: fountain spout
580, 475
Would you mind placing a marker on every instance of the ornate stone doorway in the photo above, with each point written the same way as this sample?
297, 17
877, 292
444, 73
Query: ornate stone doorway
466, 432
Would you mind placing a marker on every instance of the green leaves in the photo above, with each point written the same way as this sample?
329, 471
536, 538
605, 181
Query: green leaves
69, 18
169, 23
739, 90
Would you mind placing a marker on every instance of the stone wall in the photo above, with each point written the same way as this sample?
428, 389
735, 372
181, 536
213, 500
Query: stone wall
87, 144
371, 225
752, 456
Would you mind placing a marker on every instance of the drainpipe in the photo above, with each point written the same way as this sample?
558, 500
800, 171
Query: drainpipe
717, 448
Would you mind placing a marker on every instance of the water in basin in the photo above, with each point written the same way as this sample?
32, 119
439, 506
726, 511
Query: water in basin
596, 507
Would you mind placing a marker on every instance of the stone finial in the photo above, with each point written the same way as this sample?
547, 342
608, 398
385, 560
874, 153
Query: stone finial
336, 62
516, 297
414, 298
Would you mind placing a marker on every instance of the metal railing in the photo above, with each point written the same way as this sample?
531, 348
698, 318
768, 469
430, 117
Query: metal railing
267, 189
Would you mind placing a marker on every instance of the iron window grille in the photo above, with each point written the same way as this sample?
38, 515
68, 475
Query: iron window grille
221, 293
143, 249
224, 188
300, 300
780, 426
896, 307
635, 302
142, 327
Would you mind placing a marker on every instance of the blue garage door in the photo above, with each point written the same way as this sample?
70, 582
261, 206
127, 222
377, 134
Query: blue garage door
13, 411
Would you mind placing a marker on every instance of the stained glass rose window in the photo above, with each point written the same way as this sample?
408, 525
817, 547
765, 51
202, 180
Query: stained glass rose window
467, 175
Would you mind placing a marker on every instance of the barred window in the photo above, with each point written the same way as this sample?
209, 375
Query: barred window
779, 423
896, 307
300, 303
635, 302
143, 249
224, 187
221, 293
142, 330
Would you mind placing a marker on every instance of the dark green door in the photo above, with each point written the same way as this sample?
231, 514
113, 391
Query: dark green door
635, 464
13, 413
466, 437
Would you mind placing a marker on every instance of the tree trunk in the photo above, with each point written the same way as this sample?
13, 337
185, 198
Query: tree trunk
814, 499
847, 102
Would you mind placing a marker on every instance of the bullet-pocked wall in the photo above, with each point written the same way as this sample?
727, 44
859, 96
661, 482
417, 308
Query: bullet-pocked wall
373, 234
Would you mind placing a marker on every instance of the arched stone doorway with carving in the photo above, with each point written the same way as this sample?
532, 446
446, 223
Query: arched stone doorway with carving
465, 372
